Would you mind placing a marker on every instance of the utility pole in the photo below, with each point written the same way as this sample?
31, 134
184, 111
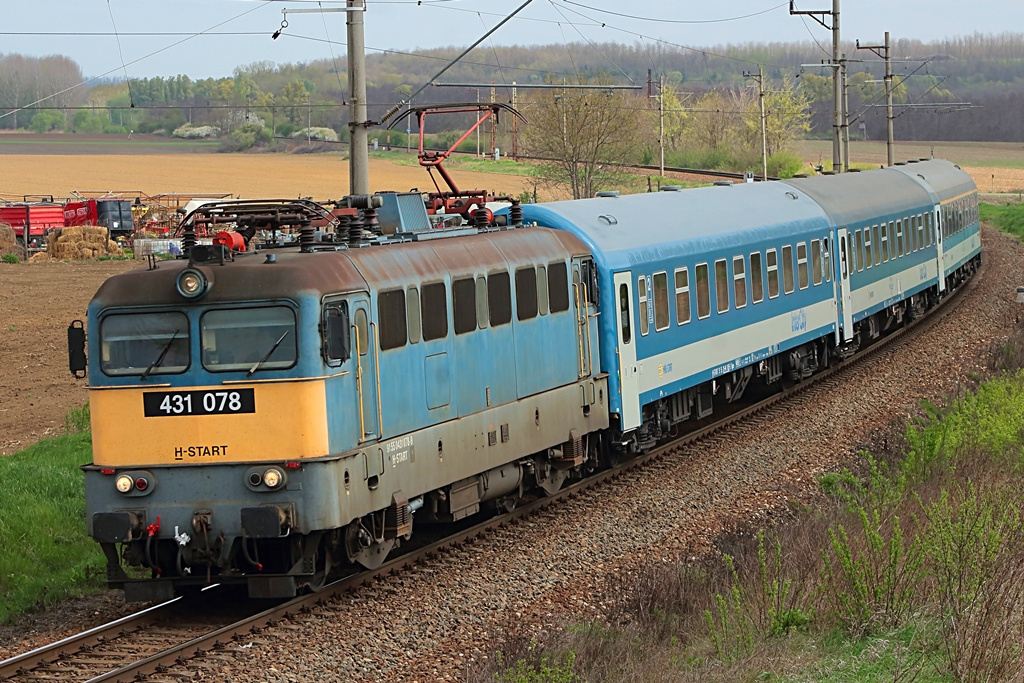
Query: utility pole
515, 126
837, 91
359, 155
661, 118
764, 118
494, 129
883, 52
846, 119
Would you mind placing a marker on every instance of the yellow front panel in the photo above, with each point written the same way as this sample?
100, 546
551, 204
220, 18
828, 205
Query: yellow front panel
290, 422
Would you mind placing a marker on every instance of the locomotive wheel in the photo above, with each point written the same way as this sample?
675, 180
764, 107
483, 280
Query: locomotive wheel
323, 566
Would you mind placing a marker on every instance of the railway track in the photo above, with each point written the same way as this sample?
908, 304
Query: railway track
165, 640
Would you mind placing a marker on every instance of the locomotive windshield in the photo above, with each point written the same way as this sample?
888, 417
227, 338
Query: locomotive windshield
249, 339
144, 344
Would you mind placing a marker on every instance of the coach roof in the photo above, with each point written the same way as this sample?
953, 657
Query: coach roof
644, 228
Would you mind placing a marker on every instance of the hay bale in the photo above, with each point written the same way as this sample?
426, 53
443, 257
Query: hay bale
7, 236
71, 232
39, 257
112, 247
98, 231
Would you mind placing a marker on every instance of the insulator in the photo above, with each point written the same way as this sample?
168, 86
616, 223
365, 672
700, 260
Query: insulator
481, 217
370, 221
355, 230
515, 213
306, 237
188, 239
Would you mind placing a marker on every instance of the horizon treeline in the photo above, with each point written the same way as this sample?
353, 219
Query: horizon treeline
963, 88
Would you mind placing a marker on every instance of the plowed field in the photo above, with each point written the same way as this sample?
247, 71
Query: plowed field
321, 176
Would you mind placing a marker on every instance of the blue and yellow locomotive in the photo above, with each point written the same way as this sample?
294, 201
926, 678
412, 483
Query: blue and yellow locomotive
263, 414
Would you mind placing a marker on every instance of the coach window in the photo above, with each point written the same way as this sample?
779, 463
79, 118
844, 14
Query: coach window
542, 290
703, 291
499, 298
526, 293
558, 287
682, 296
739, 281
464, 305
876, 252
859, 252
884, 244
412, 309
481, 301
816, 262
624, 318
147, 344
641, 309
391, 314
787, 269
661, 315
435, 311
756, 281
899, 238
772, 260
801, 265
910, 231
721, 285
826, 255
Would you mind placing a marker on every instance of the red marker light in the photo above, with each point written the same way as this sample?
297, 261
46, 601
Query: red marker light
293, 465
141, 484
107, 470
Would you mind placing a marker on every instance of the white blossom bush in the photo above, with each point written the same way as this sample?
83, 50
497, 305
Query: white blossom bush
321, 134
191, 132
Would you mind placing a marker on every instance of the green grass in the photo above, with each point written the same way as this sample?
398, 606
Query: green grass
1009, 218
45, 554
115, 141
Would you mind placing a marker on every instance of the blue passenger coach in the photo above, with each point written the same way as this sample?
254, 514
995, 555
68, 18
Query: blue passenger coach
698, 288
703, 290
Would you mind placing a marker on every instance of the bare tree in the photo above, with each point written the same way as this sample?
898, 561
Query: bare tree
580, 131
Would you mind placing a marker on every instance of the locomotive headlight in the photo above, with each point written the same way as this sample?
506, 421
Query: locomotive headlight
124, 483
192, 283
272, 477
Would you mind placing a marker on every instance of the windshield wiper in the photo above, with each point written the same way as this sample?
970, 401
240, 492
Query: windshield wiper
160, 358
263, 360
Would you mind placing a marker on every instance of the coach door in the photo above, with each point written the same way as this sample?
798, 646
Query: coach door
938, 226
629, 378
582, 296
364, 350
845, 297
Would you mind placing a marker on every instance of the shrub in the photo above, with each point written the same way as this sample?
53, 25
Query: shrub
315, 133
190, 132
47, 120
10, 258
247, 136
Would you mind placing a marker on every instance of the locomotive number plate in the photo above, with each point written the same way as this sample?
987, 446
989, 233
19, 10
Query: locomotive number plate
170, 403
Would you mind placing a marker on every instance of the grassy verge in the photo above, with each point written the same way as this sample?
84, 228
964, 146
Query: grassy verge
1008, 218
910, 568
45, 554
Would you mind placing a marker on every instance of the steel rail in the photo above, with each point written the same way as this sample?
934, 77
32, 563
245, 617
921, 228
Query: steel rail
220, 638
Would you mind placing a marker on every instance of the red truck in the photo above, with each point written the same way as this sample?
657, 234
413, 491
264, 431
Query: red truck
32, 220
114, 213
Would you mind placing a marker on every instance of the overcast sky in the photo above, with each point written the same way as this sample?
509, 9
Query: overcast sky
85, 29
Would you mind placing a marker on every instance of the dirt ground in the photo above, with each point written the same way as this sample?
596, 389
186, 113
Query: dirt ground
37, 303
321, 176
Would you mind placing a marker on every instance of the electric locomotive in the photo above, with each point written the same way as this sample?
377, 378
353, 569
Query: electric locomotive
261, 415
